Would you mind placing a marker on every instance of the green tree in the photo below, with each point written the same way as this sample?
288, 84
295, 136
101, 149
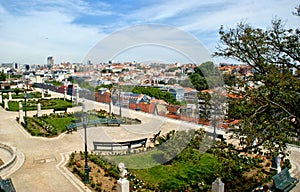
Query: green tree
206, 76
2, 76
172, 81
186, 83
269, 109
156, 93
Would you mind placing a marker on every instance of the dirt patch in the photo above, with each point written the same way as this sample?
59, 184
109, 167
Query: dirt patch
99, 179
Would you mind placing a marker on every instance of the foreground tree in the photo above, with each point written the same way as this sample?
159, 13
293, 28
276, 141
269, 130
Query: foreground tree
270, 105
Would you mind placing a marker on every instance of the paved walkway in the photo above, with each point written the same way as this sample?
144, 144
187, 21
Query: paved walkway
40, 165
40, 162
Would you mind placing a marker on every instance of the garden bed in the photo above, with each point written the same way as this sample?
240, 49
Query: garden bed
103, 175
190, 170
31, 104
48, 125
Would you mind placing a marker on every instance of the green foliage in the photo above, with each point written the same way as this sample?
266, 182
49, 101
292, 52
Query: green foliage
19, 94
49, 125
55, 83
186, 83
45, 104
172, 69
206, 76
269, 108
198, 81
156, 93
109, 86
2, 76
229, 79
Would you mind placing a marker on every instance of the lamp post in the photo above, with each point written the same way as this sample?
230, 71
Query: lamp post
120, 105
84, 124
25, 97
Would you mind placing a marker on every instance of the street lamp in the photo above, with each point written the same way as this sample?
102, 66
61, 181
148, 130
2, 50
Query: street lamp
120, 109
84, 124
25, 97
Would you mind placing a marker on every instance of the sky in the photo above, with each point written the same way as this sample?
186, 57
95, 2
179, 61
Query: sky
32, 30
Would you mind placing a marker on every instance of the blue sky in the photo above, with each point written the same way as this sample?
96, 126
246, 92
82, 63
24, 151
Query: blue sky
31, 30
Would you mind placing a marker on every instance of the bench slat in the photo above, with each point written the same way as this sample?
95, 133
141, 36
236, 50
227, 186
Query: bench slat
111, 145
283, 180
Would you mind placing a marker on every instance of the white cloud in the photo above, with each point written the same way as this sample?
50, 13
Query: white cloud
170, 9
32, 37
257, 13
31, 30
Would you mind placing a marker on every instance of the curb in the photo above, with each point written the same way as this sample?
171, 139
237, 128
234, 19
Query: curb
68, 175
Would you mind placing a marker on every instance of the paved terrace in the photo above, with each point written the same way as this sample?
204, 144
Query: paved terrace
40, 161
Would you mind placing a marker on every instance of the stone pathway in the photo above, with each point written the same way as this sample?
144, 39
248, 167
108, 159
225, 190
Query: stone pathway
41, 162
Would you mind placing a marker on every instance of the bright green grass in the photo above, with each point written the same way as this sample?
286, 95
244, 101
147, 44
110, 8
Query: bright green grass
179, 174
60, 123
138, 160
45, 104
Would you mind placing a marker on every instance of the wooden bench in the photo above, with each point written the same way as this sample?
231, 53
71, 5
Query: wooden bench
119, 146
155, 137
104, 121
100, 121
71, 127
7, 185
64, 109
111, 122
218, 136
283, 181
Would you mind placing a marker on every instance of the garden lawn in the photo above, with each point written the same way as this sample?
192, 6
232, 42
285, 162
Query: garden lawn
182, 174
60, 123
45, 104
138, 160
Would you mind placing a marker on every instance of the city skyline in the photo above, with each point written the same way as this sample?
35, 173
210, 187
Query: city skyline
32, 30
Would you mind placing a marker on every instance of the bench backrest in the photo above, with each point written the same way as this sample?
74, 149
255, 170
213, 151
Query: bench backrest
111, 145
157, 134
282, 177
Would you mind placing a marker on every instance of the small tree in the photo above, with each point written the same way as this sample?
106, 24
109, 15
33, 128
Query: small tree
2, 76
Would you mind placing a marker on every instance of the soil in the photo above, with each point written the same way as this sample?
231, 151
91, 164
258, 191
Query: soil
99, 181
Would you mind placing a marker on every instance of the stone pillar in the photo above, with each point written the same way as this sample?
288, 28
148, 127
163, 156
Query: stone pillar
5, 103
122, 183
65, 93
217, 186
278, 161
155, 111
77, 96
76, 90
9, 96
43, 94
21, 118
39, 111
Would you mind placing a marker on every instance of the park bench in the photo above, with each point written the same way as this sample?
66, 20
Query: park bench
155, 137
112, 122
64, 109
283, 181
119, 146
71, 127
104, 121
218, 136
6, 185
100, 121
